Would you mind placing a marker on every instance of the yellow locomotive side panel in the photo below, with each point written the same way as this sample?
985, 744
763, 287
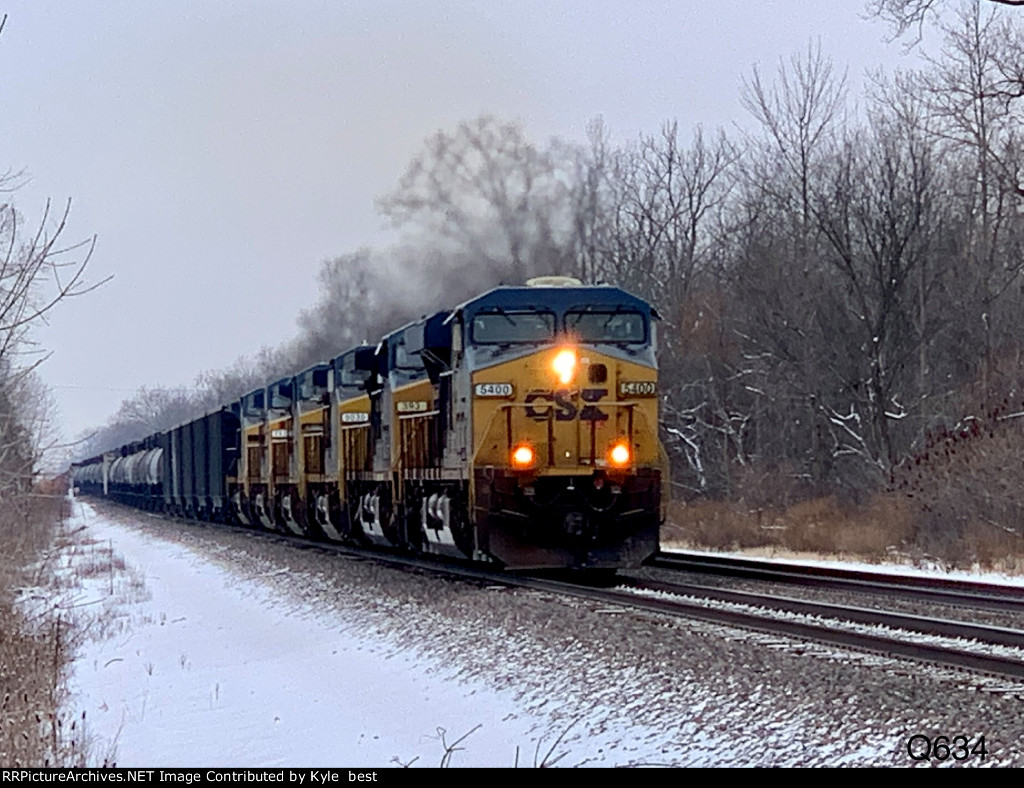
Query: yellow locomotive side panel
310, 446
412, 436
252, 460
354, 439
252, 469
571, 427
281, 437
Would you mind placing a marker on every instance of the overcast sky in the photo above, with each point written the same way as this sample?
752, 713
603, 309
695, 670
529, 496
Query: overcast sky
222, 150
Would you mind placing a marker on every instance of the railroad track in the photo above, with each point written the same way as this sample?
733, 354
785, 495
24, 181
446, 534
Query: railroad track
990, 650
993, 650
936, 590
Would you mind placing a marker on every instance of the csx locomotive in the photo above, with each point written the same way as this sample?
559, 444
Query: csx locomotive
520, 428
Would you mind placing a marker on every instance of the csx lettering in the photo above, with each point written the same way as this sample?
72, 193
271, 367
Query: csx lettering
565, 410
564, 404
538, 413
590, 412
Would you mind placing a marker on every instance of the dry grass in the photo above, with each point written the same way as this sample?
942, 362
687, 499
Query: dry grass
36, 641
891, 526
822, 526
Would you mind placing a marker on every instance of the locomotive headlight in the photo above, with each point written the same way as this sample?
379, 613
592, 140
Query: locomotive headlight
523, 456
620, 455
564, 365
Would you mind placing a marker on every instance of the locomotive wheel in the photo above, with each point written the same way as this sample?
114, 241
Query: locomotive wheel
290, 513
263, 515
329, 517
240, 508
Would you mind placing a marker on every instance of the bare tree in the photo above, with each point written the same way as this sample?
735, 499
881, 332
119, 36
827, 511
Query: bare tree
779, 278
876, 211
797, 113
489, 191
970, 94
671, 203
977, 83
217, 387
590, 172
904, 15
36, 274
349, 304
148, 411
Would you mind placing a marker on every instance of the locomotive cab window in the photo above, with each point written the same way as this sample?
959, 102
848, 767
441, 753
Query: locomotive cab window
347, 374
505, 327
255, 404
313, 385
407, 358
280, 396
612, 327
307, 391
406, 348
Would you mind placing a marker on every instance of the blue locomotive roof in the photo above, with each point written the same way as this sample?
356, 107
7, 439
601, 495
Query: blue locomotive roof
557, 299
314, 368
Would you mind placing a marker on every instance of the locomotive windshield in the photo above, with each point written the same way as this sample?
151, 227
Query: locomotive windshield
255, 403
613, 327
313, 385
504, 327
280, 396
347, 376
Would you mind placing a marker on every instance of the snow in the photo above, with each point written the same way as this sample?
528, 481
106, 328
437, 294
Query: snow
206, 649
244, 681
976, 576
199, 665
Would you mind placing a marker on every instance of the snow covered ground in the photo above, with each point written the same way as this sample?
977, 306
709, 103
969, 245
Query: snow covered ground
213, 671
209, 648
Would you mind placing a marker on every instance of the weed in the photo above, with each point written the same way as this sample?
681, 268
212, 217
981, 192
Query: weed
824, 525
38, 641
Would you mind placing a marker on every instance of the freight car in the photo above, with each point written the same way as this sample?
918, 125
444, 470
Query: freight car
520, 428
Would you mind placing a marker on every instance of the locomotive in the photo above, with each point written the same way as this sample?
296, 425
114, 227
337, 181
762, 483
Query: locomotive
518, 429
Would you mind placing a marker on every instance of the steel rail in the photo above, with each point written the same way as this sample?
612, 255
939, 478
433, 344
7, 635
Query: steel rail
860, 641
938, 627
974, 594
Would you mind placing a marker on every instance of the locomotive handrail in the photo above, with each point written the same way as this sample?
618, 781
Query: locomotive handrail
507, 408
427, 414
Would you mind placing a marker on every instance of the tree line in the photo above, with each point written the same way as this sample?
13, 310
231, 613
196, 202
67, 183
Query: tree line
838, 287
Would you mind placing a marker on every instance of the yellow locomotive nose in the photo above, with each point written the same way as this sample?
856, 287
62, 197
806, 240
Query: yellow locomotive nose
564, 365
